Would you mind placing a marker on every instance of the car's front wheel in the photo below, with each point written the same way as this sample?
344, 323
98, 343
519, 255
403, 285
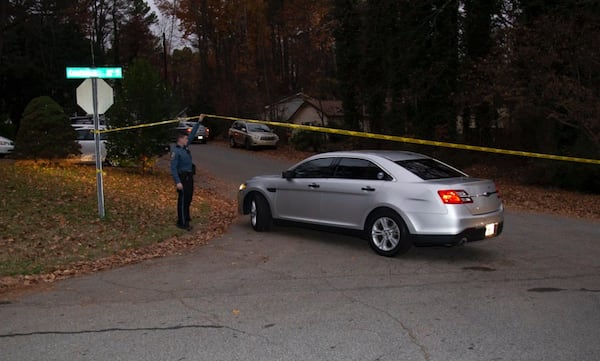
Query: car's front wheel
113, 162
260, 213
387, 233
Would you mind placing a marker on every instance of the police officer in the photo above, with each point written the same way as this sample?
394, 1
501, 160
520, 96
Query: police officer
182, 171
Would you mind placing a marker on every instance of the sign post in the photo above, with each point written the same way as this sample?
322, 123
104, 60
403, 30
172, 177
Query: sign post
99, 179
93, 86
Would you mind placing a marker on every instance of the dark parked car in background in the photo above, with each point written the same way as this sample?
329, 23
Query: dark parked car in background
201, 135
396, 199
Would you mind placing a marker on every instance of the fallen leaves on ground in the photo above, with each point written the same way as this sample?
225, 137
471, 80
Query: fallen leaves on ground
529, 198
50, 229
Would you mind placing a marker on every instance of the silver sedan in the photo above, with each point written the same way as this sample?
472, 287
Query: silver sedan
6, 146
395, 199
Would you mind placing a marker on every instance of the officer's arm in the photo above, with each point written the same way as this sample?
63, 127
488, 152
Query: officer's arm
174, 166
193, 132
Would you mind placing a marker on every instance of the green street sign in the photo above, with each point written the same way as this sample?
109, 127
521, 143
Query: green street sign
105, 73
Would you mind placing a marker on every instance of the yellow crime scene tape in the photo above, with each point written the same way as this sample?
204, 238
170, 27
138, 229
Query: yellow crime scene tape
414, 141
145, 125
392, 138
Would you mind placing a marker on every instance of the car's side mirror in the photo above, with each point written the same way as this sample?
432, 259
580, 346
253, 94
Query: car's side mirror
243, 129
288, 174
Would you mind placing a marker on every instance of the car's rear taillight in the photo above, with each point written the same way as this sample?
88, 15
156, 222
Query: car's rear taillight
189, 130
455, 197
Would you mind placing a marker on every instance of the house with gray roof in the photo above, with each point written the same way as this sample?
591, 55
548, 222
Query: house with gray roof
306, 110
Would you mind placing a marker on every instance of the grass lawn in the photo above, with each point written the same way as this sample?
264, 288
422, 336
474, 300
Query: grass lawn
49, 217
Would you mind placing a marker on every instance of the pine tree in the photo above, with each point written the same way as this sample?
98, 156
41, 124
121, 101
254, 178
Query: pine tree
144, 98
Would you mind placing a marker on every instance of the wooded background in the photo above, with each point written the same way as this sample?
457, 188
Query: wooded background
518, 74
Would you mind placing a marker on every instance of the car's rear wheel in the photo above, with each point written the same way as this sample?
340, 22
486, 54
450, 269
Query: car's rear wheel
387, 233
260, 213
231, 142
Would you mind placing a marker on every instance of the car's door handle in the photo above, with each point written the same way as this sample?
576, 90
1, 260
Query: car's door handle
368, 189
313, 185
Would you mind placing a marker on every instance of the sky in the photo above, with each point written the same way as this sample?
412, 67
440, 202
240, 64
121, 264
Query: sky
168, 27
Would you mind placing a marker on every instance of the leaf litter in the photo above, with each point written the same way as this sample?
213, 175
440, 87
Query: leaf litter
50, 228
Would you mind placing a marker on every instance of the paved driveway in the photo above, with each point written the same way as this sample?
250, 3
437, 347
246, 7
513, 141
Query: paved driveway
297, 294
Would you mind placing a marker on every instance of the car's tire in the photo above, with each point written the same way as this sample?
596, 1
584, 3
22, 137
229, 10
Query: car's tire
248, 144
387, 233
231, 142
260, 213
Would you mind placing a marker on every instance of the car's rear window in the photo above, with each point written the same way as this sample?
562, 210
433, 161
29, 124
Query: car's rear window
429, 169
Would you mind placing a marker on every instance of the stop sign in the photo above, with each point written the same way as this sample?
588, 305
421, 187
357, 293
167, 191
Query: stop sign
85, 96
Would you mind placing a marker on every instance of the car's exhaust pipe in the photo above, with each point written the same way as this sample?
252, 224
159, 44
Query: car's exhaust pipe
459, 243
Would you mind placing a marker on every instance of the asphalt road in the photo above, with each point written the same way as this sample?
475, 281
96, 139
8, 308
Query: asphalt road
298, 294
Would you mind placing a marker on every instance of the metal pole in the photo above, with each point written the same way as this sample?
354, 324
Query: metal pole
99, 183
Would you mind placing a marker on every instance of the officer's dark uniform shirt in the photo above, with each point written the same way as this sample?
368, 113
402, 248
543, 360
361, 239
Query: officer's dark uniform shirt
181, 159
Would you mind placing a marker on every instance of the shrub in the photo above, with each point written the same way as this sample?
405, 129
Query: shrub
304, 140
45, 132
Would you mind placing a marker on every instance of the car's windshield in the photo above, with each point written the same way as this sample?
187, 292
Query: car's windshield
429, 169
258, 128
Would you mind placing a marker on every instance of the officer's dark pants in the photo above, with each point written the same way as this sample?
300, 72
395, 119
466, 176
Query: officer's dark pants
184, 199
